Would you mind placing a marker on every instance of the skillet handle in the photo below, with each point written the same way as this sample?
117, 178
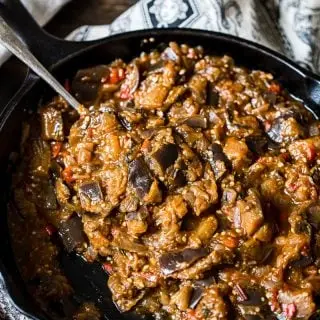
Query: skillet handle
48, 49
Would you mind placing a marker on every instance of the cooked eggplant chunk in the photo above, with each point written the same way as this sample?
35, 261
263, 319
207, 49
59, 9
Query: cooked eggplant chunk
166, 155
174, 94
248, 214
199, 289
194, 139
87, 83
303, 262
218, 160
177, 179
197, 121
71, 233
137, 222
192, 182
91, 190
196, 297
198, 87
257, 144
47, 198
172, 262
140, 177
52, 124
253, 297
91, 196
212, 95
284, 128
171, 54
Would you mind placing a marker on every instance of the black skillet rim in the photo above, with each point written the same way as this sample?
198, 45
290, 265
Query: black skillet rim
30, 81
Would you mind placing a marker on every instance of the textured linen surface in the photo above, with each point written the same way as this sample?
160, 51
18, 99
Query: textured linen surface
291, 27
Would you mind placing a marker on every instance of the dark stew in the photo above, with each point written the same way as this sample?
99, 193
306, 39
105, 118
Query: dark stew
193, 181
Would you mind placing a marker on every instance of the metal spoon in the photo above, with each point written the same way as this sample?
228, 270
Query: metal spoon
10, 40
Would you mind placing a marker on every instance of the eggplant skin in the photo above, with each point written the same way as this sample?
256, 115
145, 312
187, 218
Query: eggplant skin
257, 144
217, 153
197, 121
91, 190
174, 261
219, 162
196, 297
275, 130
91, 197
254, 297
302, 262
140, 177
71, 233
166, 155
87, 82
286, 127
199, 288
212, 96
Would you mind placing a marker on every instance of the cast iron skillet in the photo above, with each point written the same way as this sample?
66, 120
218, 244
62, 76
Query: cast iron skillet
64, 58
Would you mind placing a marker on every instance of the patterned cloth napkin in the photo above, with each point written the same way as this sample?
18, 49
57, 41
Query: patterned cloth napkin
291, 27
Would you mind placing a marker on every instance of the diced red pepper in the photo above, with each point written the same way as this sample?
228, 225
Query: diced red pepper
55, 148
145, 145
289, 310
274, 304
267, 125
67, 175
125, 92
230, 242
50, 229
67, 85
113, 76
116, 75
311, 152
191, 314
90, 132
274, 88
107, 267
293, 187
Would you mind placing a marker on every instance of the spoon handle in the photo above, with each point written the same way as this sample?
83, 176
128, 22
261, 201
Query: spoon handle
11, 41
